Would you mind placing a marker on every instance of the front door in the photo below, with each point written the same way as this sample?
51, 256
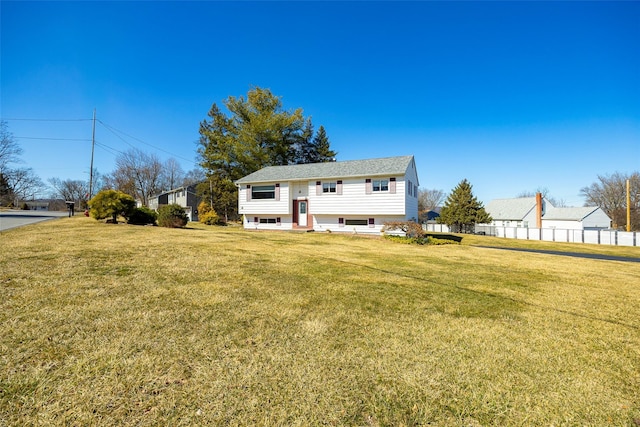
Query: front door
302, 213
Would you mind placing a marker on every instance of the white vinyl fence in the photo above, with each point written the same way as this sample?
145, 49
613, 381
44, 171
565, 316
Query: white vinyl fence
598, 237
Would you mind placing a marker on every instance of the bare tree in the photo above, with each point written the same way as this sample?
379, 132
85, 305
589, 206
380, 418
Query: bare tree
73, 190
194, 176
9, 149
137, 174
558, 203
172, 174
24, 184
610, 194
429, 200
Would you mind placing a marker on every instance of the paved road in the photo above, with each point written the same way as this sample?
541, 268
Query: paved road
569, 254
15, 218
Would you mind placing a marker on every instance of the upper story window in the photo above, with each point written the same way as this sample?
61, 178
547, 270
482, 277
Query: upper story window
380, 185
328, 187
263, 192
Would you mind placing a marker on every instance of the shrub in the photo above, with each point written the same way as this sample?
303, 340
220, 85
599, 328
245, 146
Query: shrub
110, 204
207, 215
409, 228
142, 216
172, 216
209, 218
25, 206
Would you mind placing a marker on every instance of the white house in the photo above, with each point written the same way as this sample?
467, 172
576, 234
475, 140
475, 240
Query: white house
518, 212
579, 218
350, 196
537, 212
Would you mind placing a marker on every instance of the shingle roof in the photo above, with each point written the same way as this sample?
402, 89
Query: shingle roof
345, 169
575, 214
510, 209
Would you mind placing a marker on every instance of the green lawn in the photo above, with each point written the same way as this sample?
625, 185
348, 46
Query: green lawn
123, 325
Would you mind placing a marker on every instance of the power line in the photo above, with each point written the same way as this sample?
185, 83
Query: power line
114, 130
44, 120
53, 139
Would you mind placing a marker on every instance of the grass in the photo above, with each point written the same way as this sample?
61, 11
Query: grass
123, 325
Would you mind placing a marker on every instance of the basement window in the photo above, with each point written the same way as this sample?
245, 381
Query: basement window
356, 222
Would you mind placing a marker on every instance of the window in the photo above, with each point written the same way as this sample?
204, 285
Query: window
267, 220
356, 222
263, 192
380, 185
328, 187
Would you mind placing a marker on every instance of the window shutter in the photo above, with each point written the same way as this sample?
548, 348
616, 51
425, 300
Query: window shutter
367, 186
318, 188
372, 222
339, 187
248, 193
255, 219
392, 185
278, 221
277, 192
340, 222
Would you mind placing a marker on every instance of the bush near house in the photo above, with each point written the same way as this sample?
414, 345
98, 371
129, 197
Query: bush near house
110, 204
172, 216
207, 215
142, 216
414, 234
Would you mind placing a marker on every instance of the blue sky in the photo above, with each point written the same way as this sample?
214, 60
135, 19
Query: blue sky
512, 96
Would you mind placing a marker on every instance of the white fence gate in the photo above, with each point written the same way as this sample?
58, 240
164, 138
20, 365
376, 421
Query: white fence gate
597, 237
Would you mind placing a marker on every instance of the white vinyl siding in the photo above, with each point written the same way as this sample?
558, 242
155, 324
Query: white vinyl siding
355, 201
256, 207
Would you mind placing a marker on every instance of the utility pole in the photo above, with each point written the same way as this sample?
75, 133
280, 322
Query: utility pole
93, 144
628, 206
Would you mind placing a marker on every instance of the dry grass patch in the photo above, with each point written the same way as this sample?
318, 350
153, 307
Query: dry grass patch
147, 326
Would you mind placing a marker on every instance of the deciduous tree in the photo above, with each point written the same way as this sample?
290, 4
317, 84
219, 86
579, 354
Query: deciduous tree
610, 194
462, 210
138, 174
10, 151
24, 184
429, 200
70, 189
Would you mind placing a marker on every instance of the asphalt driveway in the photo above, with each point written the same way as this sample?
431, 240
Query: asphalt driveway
569, 254
16, 218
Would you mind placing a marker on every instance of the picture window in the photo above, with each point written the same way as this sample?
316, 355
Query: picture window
263, 192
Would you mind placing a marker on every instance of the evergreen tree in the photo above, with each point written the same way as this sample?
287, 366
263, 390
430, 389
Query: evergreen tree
6, 193
462, 211
258, 132
322, 147
305, 149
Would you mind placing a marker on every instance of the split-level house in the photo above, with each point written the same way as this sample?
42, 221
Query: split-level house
348, 196
183, 196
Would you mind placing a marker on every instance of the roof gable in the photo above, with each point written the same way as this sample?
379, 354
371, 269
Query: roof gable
352, 168
511, 209
569, 214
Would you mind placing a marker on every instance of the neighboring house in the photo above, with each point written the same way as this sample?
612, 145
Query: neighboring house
537, 212
38, 205
581, 218
350, 196
183, 196
518, 212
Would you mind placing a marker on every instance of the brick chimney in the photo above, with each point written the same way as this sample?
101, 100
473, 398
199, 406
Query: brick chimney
539, 210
